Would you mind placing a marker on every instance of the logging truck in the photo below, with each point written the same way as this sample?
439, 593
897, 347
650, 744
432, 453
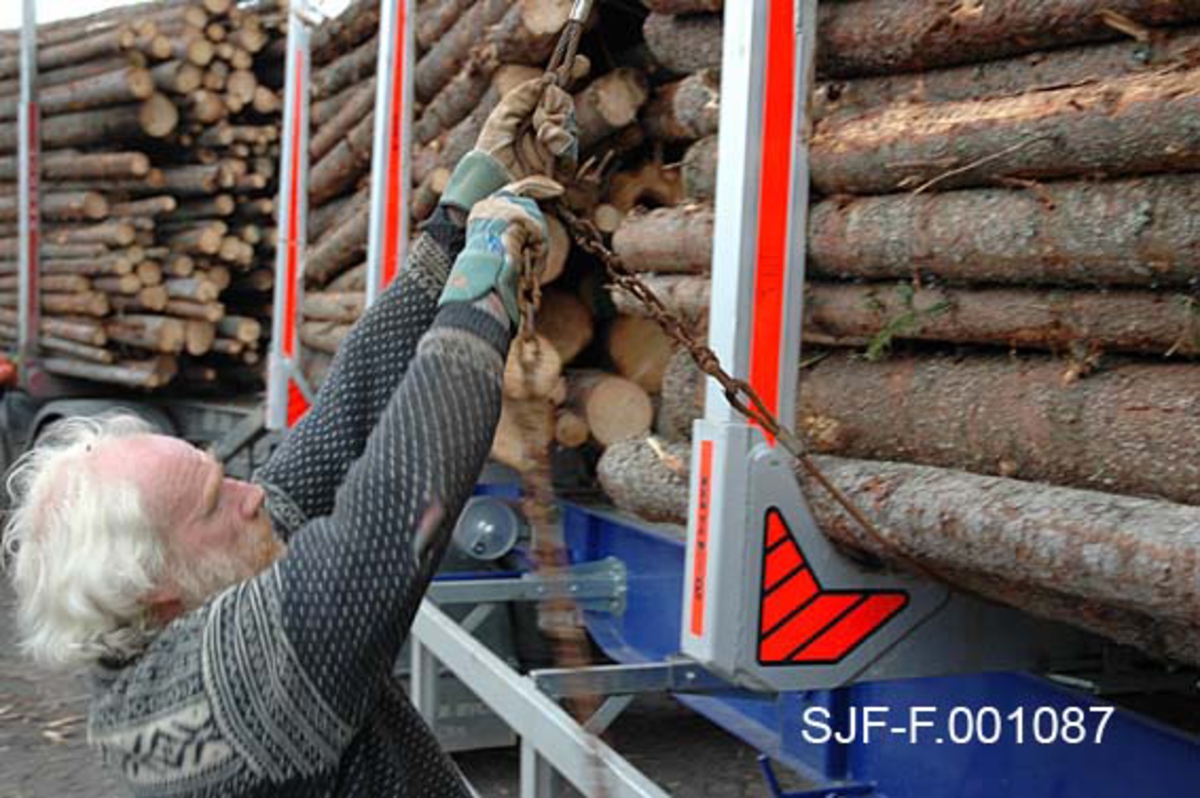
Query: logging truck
953, 245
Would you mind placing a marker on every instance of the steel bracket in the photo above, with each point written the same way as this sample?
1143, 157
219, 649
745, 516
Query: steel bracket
680, 675
598, 586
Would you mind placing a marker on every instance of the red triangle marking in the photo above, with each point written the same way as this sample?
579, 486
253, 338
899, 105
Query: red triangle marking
801, 622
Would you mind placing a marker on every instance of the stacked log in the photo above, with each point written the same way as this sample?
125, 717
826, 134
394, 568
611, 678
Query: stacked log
160, 142
1001, 319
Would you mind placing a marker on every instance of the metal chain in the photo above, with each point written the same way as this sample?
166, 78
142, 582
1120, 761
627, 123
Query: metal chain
738, 393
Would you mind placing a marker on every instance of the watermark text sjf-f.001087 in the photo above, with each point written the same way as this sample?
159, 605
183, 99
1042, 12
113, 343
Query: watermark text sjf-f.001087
958, 725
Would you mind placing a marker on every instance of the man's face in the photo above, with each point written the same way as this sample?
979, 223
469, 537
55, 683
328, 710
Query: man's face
216, 529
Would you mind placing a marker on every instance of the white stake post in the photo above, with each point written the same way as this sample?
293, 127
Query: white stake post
28, 158
288, 395
390, 166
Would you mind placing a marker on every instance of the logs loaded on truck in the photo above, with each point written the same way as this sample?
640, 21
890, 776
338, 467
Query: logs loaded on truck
1001, 321
159, 139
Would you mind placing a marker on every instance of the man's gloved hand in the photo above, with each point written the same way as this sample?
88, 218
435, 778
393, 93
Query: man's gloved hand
531, 132
502, 231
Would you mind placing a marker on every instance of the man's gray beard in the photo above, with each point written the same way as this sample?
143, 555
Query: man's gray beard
200, 581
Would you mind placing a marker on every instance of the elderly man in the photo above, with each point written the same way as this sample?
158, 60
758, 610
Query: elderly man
243, 635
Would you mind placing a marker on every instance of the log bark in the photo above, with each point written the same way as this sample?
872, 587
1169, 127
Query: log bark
150, 206
682, 399
875, 315
361, 102
177, 77
127, 85
684, 44
329, 306
240, 328
186, 309
469, 87
353, 279
116, 234
667, 239
1035, 547
196, 289
324, 336
639, 349
89, 304
646, 480
685, 110
1062, 321
1132, 428
127, 284
153, 373
346, 70
65, 206
437, 17
1125, 232
65, 346
342, 247
1135, 124
81, 330
343, 164
608, 104
907, 36
156, 333
700, 170
683, 6
357, 22
688, 296
614, 408
447, 56
1037, 71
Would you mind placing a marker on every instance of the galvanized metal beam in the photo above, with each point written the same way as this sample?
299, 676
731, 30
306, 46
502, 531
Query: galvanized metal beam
552, 734
29, 172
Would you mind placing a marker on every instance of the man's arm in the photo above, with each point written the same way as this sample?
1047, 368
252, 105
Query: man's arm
302, 474
293, 658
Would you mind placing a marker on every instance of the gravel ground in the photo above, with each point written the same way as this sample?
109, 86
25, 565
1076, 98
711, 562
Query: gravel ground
43, 751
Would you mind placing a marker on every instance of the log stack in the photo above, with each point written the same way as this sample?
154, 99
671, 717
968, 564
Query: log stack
160, 144
1002, 319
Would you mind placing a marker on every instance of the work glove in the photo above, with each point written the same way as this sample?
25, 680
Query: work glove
502, 231
531, 132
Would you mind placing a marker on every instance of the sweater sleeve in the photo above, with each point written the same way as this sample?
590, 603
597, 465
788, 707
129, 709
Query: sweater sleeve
294, 655
302, 474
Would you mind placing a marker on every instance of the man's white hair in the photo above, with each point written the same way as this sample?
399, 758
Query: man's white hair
84, 550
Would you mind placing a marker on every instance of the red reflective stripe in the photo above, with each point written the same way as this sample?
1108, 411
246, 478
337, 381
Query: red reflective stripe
391, 231
774, 203
700, 552
293, 223
776, 528
793, 593
297, 405
857, 626
781, 562
803, 626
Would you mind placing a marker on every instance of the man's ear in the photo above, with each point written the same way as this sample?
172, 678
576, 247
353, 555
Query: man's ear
165, 603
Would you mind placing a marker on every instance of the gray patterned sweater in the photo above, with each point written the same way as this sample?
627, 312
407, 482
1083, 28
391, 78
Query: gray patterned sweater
282, 685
